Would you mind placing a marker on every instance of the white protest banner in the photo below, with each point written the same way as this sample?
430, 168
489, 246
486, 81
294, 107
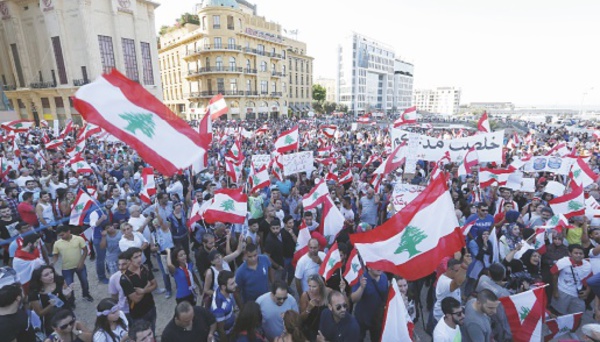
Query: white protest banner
404, 193
555, 188
56, 129
261, 159
487, 145
411, 160
549, 164
528, 185
297, 162
354, 126
515, 180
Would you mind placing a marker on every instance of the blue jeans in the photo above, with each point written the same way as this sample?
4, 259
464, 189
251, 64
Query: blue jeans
165, 274
594, 284
100, 261
69, 276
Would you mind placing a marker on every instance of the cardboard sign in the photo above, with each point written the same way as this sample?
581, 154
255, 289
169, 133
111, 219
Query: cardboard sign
404, 194
261, 159
297, 162
549, 164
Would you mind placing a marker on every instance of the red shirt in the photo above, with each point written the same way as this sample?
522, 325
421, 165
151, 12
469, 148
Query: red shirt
27, 212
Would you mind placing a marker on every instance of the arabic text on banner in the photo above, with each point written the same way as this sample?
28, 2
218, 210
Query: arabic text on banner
261, 159
297, 162
404, 194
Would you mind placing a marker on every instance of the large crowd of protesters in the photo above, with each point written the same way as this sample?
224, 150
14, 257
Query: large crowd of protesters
237, 282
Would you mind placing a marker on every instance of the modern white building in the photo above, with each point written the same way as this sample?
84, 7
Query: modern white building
442, 100
329, 85
49, 48
367, 76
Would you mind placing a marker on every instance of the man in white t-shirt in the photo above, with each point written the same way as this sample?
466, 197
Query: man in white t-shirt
448, 328
569, 276
448, 284
308, 265
132, 239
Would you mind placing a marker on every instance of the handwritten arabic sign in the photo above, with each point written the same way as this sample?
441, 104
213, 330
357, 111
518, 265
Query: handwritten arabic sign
404, 194
297, 162
261, 159
488, 146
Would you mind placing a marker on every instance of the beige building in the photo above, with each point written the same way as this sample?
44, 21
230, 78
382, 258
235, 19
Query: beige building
49, 48
329, 85
230, 50
441, 100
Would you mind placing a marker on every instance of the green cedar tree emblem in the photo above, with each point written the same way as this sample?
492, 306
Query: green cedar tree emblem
332, 262
577, 173
355, 267
19, 125
494, 176
228, 205
235, 153
79, 165
523, 313
255, 180
140, 121
79, 207
553, 221
410, 239
315, 195
288, 140
236, 169
574, 206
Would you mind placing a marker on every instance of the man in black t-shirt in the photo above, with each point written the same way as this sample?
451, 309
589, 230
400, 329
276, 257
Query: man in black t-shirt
138, 283
14, 322
190, 323
8, 224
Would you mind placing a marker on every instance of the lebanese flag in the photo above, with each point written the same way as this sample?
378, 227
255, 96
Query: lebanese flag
332, 220
582, 173
438, 168
539, 245
67, 130
557, 222
488, 177
412, 243
80, 166
301, 243
332, 262
129, 112
148, 185
470, 161
332, 176
235, 152
228, 205
562, 325
15, 146
262, 130
373, 158
83, 203
571, 204
316, 196
45, 137
409, 116
525, 312
346, 177
484, 124
560, 149
217, 107
329, 130
197, 212
205, 130
246, 134
397, 325
18, 126
78, 148
467, 227
54, 144
394, 160
353, 271
287, 141
44, 124
277, 168
363, 119
259, 179
89, 130
233, 170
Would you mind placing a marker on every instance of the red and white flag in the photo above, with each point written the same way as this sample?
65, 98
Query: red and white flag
397, 324
489, 177
235, 152
316, 196
83, 202
233, 170
246, 134
262, 130
394, 160
559, 149
89, 130
148, 185
67, 130
228, 205
346, 177
410, 243
197, 212
79, 165
332, 262
563, 325
301, 243
373, 158
205, 130
332, 220
217, 107
329, 130
582, 174
571, 204
129, 112
353, 271
539, 243
18, 126
409, 116
525, 312
484, 124
54, 144
363, 119
470, 161
287, 141
259, 178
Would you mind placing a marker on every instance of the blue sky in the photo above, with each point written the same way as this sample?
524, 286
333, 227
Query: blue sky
530, 52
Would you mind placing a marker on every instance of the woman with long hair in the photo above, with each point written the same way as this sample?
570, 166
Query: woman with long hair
182, 270
312, 303
48, 293
111, 323
292, 331
248, 323
68, 329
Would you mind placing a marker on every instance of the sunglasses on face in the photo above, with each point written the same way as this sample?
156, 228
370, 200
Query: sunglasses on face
65, 326
459, 313
340, 306
281, 299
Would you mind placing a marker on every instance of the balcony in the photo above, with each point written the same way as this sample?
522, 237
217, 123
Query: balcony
277, 74
212, 47
42, 85
255, 51
249, 71
9, 87
80, 82
207, 70
229, 93
275, 55
277, 94
216, 26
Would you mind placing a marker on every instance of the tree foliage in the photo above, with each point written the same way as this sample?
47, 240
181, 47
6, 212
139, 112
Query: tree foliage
318, 93
329, 107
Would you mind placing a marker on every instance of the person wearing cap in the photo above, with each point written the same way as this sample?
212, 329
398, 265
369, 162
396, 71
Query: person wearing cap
14, 319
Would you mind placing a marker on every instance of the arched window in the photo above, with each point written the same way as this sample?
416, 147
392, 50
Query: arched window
248, 64
232, 63
231, 43
207, 64
219, 62
263, 66
273, 67
283, 68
